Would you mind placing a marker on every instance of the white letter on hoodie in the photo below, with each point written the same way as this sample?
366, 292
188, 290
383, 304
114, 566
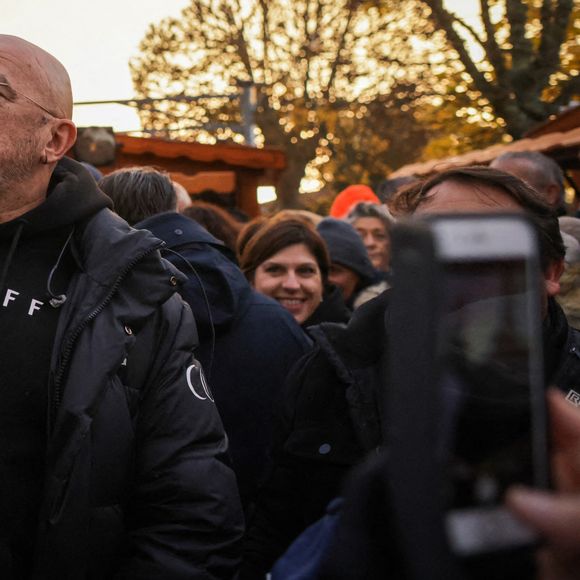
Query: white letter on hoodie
10, 294
34, 305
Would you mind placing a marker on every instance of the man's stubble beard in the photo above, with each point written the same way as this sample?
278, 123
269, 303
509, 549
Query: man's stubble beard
18, 161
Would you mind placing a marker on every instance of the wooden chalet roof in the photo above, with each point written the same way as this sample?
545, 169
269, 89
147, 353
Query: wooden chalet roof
548, 139
236, 155
567, 120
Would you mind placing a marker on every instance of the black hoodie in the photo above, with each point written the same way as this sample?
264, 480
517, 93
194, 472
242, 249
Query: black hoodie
36, 264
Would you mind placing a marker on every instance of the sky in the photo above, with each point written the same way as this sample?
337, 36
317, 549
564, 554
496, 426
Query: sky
95, 40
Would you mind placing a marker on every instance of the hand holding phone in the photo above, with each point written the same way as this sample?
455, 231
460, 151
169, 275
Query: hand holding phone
556, 515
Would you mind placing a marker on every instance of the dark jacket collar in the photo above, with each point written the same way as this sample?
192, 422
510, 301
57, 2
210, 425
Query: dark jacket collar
362, 341
176, 230
331, 309
173, 228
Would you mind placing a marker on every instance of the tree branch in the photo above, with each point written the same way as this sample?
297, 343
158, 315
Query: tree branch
240, 41
492, 48
445, 21
352, 6
307, 48
263, 4
555, 20
469, 29
522, 50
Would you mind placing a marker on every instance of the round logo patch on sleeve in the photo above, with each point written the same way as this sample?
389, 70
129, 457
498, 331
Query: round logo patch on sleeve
197, 383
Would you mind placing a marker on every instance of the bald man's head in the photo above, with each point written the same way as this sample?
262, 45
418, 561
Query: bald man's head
536, 169
36, 129
33, 72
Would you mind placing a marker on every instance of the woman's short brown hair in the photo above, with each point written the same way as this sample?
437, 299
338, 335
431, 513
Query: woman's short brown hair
277, 235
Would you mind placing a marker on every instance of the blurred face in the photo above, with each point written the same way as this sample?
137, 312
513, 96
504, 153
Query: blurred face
376, 240
344, 278
293, 278
455, 197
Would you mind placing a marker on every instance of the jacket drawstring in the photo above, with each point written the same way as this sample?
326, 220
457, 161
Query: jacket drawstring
57, 300
15, 239
189, 266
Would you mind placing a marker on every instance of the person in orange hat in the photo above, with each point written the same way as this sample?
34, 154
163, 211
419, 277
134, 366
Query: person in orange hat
349, 197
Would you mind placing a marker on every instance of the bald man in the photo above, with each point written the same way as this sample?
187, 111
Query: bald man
111, 449
537, 170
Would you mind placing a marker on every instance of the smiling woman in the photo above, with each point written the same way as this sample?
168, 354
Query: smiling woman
288, 261
292, 277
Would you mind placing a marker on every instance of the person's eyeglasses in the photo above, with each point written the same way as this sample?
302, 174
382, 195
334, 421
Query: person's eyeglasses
8, 96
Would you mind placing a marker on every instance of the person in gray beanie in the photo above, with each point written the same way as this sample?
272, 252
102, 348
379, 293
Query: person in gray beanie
351, 268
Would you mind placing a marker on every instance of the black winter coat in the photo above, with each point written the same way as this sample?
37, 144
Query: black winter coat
330, 421
135, 483
248, 342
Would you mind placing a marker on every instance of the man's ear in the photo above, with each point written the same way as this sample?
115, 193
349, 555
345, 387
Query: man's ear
552, 276
63, 134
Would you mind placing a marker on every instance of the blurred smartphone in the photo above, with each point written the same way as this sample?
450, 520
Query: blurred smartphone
465, 409
491, 375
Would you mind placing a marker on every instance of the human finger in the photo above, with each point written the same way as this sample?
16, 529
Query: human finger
555, 517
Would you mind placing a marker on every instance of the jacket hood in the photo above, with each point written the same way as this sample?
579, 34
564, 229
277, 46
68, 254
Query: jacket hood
72, 196
71, 200
103, 242
106, 249
173, 228
227, 291
347, 248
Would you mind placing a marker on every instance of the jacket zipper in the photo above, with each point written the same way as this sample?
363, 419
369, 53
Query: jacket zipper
57, 386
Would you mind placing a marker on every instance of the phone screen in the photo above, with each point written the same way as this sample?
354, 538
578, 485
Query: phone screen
490, 380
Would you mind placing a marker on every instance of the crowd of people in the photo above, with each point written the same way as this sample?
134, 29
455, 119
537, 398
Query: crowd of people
186, 392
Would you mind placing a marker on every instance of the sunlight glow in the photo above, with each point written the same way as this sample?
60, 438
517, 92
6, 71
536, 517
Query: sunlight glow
266, 194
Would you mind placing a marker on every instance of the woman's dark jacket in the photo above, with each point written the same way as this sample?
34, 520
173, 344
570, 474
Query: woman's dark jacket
135, 482
248, 342
330, 421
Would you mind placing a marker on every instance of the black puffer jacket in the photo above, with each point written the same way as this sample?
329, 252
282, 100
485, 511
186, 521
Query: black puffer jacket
135, 484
